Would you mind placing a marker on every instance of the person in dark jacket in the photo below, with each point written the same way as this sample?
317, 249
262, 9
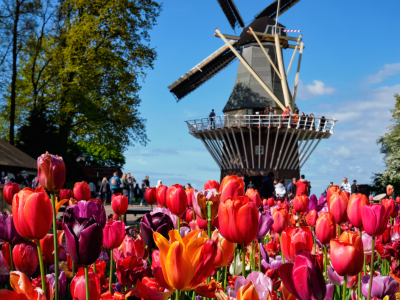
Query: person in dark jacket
302, 121
104, 190
292, 189
125, 186
251, 185
267, 188
322, 123
136, 192
212, 118
354, 187
145, 185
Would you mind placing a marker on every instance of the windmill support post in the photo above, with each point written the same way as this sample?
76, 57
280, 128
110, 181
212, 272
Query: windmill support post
297, 74
282, 70
294, 53
251, 70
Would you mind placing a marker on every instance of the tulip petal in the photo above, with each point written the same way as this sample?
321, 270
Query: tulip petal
10, 295
22, 285
175, 236
149, 294
285, 272
190, 237
60, 203
300, 279
178, 266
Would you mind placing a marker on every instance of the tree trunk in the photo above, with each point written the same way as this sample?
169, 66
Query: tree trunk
14, 71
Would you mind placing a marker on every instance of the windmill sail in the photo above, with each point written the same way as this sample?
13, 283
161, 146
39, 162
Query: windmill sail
231, 12
270, 11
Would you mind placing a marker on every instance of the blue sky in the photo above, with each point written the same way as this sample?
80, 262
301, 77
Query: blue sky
350, 70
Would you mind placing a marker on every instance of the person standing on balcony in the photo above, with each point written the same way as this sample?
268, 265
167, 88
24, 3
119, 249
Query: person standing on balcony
295, 118
266, 116
212, 117
286, 113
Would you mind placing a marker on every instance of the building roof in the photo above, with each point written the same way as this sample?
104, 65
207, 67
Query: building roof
11, 156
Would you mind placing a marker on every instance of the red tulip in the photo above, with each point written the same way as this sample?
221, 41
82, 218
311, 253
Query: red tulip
25, 257
347, 253
390, 207
119, 204
311, 217
325, 228
189, 195
5, 250
375, 218
65, 194
294, 240
238, 219
32, 214
331, 190
9, 190
389, 190
354, 209
100, 271
161, 192
281, 219
211, 184
300, 203
51, 172
133, 247
231, 186
130, 269
78, 286
150, 195
47, 246
338, 207
202, 224
176, 199
398, 200
254, 196
271, 202
81, 191
385, 237
113, 234
187, 216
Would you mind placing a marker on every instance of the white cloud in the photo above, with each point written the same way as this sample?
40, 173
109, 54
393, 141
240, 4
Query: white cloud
388, 70
318, 88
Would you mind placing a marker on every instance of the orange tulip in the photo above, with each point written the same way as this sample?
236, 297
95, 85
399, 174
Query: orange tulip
347, 254
248, 292
281, 219
186, 262
355, 207
47, 246
254, 196
325, 228
338, 207
23, 286
331, 190
231, 186
300, 203
225, 252
176, 199
32, 214
200, 203
296, 239
189, 195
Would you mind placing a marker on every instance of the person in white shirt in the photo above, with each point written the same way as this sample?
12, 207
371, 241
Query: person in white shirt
280, 190
346, 185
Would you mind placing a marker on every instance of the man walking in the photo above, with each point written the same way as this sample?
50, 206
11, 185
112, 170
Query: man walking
346, 185
145, 185
212, 117
131, 184
115, 184
292, 189
354, 188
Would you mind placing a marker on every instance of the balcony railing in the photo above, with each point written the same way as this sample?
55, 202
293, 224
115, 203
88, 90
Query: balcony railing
281, 121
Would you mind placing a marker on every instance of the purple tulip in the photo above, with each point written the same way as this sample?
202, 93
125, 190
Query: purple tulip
321, 202
157, 222
86, 209
3, 269
8, 232
62, 282
184, 231
265, 222
83, 236
312, 203
336, 279
381, 286
262, 283
305, 272
274, 263
330, 289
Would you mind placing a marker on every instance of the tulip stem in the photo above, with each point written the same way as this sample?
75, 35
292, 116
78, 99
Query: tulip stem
225, 276
11, 257
315, 246
218, 274
339, 230
111, 271
344, 288
179, 224
53, 203
359, 286
364, 267
280, 245
87, 281
94, 267
73, 269
243, 260
209, 219
177, 295
326, 263
371, 277
234, 261
260, 244
42, 273
251, 257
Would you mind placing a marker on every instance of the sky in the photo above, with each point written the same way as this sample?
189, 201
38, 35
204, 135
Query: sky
350, 70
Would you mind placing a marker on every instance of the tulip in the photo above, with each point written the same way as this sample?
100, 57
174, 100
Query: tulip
133, 247
161, 193
200, 203
176, 200
236, 266
300, 203
265, 222
186, 262
261, 283
157, 269
254, 196
271, 202
4, 261
332, 190
189, 194
119, 204
8, 232
389, 190
238, 219
312, 203
225, 252
231, 186
385, 237
9, 190
382, 286
62, 282
47, 246
355, 208
131, 269
398, 200
311, 218
304, 278
113, 234
23, 288
208, 289
25, 257
281, 220
187, 215
203, 224
390, 206
51, 172
81, 191
338, 208
78, 286
86, 209
295, 239
347, 254
151, 195
325, 228
65, 194
375, 218
157, 222
100, 271
83, 236
211, 184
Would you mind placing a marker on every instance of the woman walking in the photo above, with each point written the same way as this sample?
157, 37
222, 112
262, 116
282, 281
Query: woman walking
104, 190
125, 187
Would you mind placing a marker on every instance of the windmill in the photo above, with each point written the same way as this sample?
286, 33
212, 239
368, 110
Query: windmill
245, 141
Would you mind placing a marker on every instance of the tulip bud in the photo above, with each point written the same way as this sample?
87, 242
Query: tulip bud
189, 194
294, 240
201, 198
271, 202
338, 207
311, 217
25, 257
389, 190
65, 194
390, 207
51, 172
300, 203
133, 247
325, 228
281, 219
113, 234
385, 237
398, 200
9, 190
150, 195
375, 218
161, 192
254, 196
332, 190
119, 204
231, 186
176, 199
78, 286
354, 209
81, 191
211, 184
